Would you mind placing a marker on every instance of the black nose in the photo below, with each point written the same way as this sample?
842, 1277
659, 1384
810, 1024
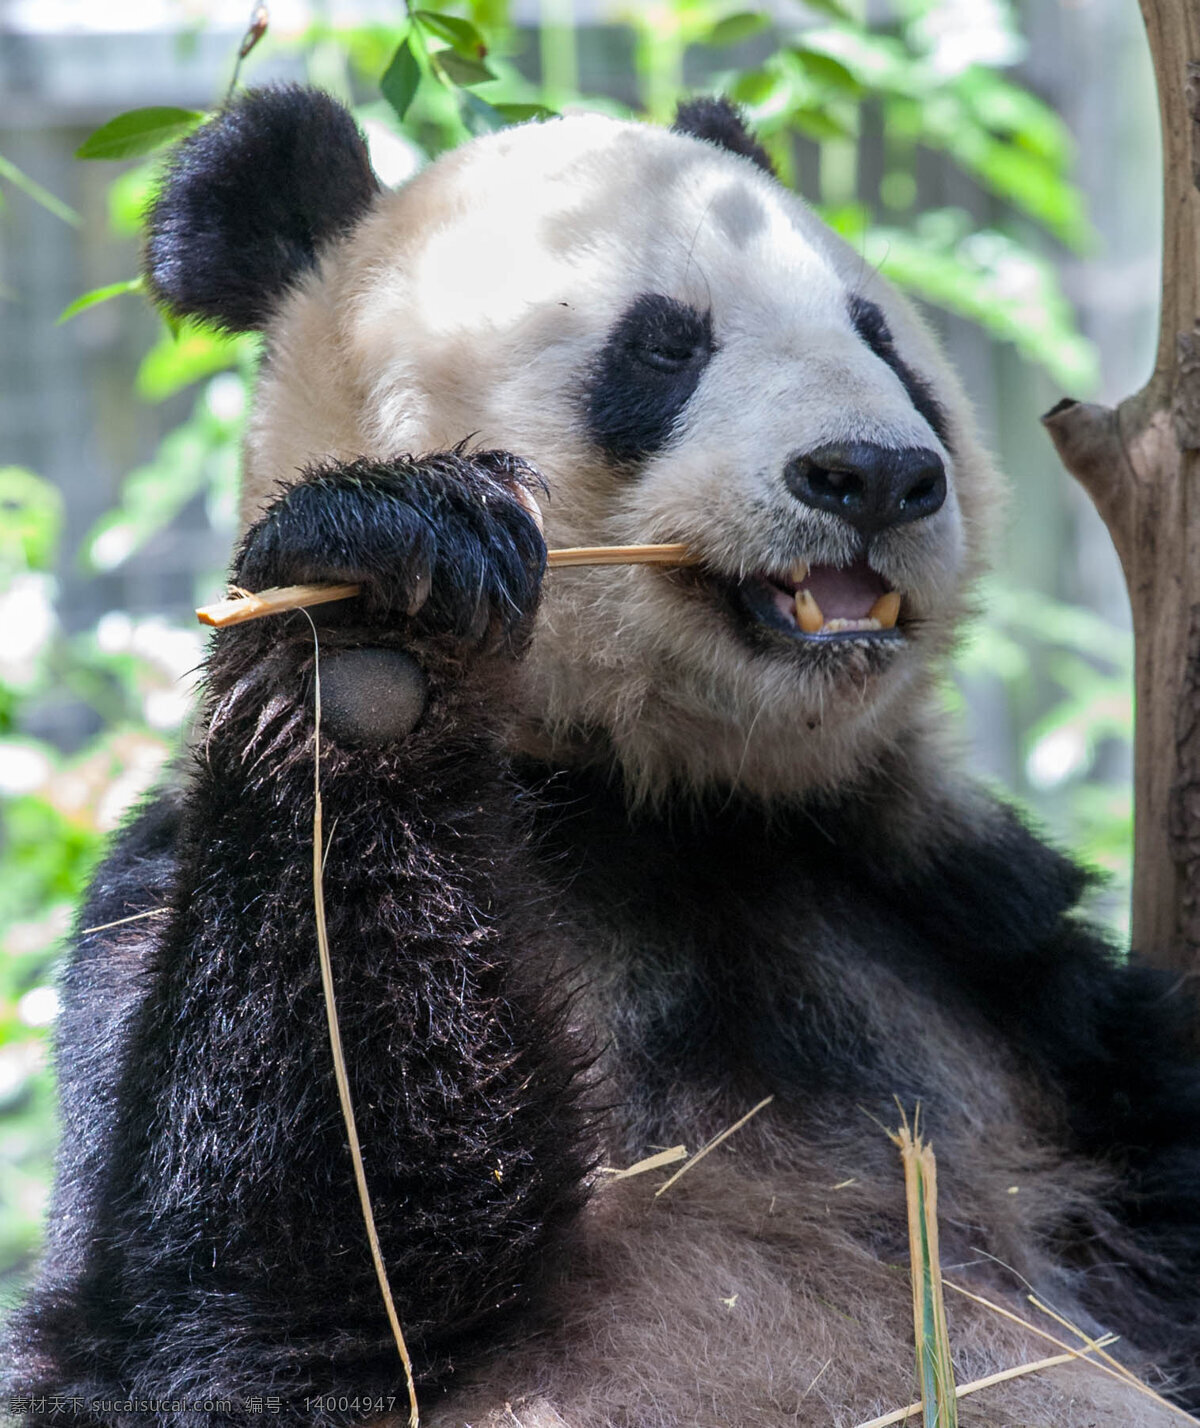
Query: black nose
872, 487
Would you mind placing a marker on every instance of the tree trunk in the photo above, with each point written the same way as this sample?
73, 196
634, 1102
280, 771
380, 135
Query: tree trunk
1140, 463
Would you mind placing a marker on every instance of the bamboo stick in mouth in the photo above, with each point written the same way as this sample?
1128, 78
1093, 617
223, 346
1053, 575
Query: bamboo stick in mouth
244, 605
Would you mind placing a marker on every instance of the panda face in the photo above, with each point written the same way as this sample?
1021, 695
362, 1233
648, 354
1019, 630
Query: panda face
686, 354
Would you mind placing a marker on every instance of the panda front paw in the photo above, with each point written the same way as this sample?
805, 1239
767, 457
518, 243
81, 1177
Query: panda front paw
444, 545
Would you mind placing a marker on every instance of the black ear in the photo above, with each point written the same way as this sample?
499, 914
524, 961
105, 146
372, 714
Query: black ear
720, 121
247, 201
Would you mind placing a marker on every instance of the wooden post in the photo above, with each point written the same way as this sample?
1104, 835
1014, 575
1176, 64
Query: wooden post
1140, 463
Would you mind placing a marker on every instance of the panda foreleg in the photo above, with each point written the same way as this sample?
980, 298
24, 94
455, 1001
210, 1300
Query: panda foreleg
228, 1261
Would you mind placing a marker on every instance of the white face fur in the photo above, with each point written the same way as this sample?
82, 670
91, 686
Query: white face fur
476, 302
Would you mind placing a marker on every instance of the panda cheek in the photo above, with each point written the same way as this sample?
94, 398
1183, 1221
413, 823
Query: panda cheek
371, 698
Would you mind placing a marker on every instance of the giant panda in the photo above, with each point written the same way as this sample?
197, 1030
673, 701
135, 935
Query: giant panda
614, 854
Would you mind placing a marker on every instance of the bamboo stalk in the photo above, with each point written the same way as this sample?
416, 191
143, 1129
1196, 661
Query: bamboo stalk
240, 608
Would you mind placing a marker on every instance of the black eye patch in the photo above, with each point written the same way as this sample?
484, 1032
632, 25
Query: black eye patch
645, 375
871, 325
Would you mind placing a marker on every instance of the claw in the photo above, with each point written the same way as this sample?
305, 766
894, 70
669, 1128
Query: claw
420, 592
525, 496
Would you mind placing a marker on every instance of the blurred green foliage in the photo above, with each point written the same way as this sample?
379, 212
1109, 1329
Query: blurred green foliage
1067, 679
58, 809
812, 84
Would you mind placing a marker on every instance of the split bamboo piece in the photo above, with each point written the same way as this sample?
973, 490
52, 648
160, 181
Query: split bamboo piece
935, 1373
243, 607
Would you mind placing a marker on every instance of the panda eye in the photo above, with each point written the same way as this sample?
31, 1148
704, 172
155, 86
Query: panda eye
670, 356
667, 336
644, 376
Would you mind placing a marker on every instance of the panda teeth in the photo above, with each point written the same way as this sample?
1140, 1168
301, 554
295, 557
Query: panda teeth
808, 613
838, 626
882, 615
886, 610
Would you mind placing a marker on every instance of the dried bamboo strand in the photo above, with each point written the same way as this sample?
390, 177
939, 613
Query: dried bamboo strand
674, 554
1121, 1374
902, 1415
341, 1077
240, 608
712, 1144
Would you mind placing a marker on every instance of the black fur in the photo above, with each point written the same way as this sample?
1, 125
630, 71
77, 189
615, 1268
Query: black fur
721, 122
871, 325
645, 375
248, 201
209, 1243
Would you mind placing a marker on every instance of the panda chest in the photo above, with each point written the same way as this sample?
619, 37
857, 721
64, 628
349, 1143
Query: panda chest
718, 969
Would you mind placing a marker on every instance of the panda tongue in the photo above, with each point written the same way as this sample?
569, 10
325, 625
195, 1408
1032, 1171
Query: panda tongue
844, 592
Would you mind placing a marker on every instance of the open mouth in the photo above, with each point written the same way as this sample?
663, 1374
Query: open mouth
825, 602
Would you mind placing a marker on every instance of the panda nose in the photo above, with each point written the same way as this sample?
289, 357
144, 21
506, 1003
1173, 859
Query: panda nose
872, 487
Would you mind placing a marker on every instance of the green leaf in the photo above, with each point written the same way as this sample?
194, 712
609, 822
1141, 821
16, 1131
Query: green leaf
754, 87
734, 29
30, 520
460, 70
139, 131
460, 35
826, 70
877, 62
1027, 181
833, 8
129, 197
818, 123
520, 113
369, 48
97, 295
18, 179
175, 361
478, 116
400, 80
993, 280
1006, 109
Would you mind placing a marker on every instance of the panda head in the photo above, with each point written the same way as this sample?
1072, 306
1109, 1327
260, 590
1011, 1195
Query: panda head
683, 350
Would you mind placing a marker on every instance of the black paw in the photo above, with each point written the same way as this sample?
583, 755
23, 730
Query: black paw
444, 544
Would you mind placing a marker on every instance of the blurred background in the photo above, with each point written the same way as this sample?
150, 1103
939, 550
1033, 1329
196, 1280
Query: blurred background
999, 161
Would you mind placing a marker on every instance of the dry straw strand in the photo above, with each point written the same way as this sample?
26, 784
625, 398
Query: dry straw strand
902, 1415
335, 1043
712, 1144
121, 921
1120, 1372
1092, 1345
651, 1162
